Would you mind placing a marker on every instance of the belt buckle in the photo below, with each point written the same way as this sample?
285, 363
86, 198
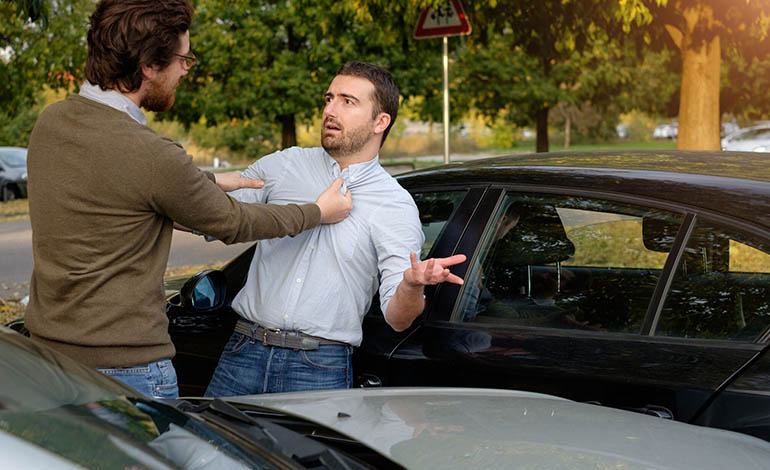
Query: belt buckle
265, 331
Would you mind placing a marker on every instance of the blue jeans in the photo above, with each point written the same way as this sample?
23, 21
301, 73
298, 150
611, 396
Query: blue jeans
153, 380
247, 367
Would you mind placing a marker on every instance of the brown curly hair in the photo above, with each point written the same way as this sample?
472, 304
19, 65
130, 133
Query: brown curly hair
124, 35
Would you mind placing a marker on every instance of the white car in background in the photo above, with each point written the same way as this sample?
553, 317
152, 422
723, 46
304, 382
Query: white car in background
666, 131
749, 139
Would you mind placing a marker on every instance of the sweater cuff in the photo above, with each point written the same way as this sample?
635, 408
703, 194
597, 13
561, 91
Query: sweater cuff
312, 215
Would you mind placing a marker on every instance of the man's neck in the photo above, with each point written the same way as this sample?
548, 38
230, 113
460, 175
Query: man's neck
349, 160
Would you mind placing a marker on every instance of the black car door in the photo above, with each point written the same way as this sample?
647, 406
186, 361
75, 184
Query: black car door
579, 295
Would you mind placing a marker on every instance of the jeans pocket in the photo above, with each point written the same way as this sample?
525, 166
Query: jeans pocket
328, 357
235, 344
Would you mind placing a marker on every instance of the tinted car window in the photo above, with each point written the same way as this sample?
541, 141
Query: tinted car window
565, 262
436, 208
721, 288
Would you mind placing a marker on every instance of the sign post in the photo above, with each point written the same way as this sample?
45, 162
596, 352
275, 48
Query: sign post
447, 20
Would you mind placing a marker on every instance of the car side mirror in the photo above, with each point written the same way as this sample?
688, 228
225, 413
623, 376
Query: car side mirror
204, 292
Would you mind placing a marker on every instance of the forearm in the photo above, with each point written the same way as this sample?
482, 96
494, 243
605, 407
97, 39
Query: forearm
407, 303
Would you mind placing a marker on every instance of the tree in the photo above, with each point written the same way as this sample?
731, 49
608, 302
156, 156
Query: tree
50, 52
266, 63
528, 54
701, 30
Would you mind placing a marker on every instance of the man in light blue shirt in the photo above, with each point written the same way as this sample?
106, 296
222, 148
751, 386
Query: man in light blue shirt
305, 297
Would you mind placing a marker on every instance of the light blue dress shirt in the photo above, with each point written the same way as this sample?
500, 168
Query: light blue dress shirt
322, 281
113, 99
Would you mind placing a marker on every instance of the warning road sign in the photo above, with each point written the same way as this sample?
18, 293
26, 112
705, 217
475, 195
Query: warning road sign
446, 20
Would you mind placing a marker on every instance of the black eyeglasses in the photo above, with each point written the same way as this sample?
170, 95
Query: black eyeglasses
189, 60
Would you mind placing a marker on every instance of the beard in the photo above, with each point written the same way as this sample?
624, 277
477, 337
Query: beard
160, 96
345, 142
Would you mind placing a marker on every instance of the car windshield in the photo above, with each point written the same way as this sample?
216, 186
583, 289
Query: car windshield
79, 416
14, 158
753, 134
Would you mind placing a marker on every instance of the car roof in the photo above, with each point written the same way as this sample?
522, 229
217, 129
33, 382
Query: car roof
733, 183
486, 428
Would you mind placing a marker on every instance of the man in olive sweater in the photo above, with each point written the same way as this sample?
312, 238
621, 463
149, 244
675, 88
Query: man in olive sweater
105, 191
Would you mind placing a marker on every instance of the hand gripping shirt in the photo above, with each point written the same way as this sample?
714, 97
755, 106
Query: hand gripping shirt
321, 282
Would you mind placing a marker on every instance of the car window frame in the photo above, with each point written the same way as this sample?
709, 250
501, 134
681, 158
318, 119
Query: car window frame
449, 298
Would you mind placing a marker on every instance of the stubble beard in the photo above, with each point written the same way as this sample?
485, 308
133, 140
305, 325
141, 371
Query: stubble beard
345, 143
160, 96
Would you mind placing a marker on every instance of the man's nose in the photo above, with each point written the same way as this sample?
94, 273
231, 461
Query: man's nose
330, 109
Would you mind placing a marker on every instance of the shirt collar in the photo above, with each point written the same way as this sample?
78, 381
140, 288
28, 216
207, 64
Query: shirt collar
113, 99
357, 173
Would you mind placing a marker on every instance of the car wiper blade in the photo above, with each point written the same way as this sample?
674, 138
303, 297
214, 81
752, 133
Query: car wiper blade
274, 437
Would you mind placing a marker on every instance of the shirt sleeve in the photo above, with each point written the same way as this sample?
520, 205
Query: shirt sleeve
271, 169
182, 192
396, 232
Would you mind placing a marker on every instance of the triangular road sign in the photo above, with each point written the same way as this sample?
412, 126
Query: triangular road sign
446, 20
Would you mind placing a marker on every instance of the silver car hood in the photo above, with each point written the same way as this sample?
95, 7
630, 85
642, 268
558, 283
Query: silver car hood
429, 428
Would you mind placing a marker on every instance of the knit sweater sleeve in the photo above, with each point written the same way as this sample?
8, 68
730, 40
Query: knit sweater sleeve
188, 196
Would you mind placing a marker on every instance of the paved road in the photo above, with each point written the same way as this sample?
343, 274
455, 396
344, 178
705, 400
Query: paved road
16, 255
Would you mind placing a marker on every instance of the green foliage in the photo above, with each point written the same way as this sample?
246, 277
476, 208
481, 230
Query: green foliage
32, 57
16, 128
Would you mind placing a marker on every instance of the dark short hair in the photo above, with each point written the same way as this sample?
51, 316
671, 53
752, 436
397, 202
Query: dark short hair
124, 35
385, 89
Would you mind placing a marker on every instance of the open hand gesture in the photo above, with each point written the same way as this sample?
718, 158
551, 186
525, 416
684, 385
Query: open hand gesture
432, 271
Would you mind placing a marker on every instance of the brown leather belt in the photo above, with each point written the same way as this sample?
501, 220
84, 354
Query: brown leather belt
282, 338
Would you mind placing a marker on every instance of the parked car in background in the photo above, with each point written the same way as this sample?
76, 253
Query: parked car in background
728, 128
666, 131
637, 280
749, 139
13, 173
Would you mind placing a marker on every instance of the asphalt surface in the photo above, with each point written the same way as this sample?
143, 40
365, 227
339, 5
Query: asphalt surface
16, 260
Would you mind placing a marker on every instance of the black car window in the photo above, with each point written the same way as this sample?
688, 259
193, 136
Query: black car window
721, 288
436, 208
565, 262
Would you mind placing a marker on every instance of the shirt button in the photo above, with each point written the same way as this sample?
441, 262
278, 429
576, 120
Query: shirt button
299, 280
285, 317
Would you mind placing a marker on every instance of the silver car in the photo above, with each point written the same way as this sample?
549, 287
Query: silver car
455, 428
749, 139
58, 414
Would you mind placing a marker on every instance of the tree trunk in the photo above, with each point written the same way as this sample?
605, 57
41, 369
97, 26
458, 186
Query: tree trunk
542, 130
567, 128
288, 131
699, 101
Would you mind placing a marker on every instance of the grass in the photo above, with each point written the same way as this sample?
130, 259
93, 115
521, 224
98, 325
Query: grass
18, 209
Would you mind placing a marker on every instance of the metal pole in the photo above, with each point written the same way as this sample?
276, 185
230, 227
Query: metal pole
446, 99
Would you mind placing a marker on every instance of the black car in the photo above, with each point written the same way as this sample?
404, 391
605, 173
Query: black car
13, 173
637, 280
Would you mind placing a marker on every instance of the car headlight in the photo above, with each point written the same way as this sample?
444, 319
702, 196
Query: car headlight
761, 148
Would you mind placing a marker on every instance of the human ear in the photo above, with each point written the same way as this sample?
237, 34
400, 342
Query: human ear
381, 123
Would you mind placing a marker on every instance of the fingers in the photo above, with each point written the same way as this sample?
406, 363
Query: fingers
413, 259
251, 183
453, 279
337, 184
451, 261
